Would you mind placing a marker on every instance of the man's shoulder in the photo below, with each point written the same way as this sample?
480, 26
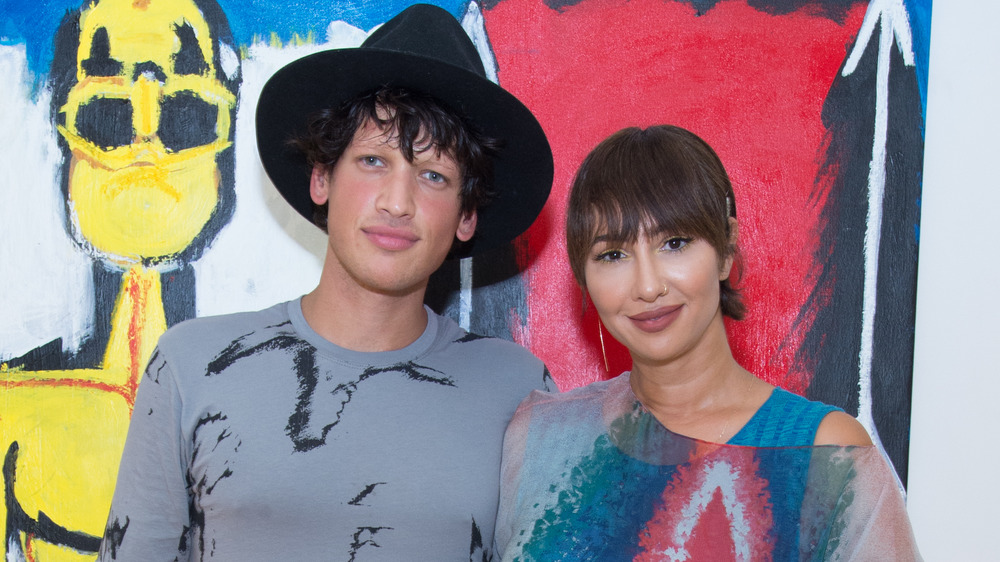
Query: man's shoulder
219, 330
492, 354
584, 401
460, 341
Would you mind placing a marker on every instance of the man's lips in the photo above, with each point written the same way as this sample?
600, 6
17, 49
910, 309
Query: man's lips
655, 320
391, 238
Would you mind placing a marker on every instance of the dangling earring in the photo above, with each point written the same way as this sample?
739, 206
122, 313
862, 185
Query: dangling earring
600, 335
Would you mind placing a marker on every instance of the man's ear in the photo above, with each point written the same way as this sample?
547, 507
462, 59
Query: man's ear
727, 264
467, 226
319, 189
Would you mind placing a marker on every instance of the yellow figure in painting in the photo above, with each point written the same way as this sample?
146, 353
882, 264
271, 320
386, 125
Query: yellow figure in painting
144, 95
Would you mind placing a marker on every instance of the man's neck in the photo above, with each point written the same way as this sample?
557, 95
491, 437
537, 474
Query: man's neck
361, 320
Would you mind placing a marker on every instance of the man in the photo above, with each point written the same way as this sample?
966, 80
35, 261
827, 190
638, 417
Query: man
353, 423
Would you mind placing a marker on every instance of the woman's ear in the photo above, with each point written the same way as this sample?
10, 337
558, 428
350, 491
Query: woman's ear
727, 264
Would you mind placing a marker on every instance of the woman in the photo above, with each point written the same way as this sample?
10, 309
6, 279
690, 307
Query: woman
688, 456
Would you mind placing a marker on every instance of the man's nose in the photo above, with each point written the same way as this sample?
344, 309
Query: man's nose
396, 195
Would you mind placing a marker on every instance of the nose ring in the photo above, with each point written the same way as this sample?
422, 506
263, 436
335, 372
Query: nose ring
664, 291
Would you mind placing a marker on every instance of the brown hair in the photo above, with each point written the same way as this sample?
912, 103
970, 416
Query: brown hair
660, 179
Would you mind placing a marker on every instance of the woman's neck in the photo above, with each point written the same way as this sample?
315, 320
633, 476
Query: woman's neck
704, 394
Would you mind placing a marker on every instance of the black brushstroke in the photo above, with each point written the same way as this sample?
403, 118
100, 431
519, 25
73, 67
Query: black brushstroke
244, 347
358, 544
100, 63
831, 346
114, 534
303, 354
895, 315
149, 70
548, 383
308, 375
152, 373
476, 545
106, 122
188, 59
186, 121
470, 336
364, 493
43, 528
199, 488
301, 417
499, 292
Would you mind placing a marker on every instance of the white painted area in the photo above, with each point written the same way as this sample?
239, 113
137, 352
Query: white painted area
889, 17
45, 285
954, 499
268, 252
474, 25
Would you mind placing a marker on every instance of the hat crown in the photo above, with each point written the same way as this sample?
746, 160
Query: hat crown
428, 31
423, 49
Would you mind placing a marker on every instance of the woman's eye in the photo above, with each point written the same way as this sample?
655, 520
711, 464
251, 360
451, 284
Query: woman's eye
371, 161
610, 255
676, 243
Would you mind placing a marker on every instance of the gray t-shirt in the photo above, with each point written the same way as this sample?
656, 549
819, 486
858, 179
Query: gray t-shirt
253, 438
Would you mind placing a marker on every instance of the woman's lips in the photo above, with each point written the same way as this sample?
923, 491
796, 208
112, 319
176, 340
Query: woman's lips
655, 320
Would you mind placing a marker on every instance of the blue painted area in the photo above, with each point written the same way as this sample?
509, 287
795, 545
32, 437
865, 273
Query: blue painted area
920, 22
34, 23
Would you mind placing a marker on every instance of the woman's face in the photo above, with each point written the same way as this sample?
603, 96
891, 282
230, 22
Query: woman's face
659, 296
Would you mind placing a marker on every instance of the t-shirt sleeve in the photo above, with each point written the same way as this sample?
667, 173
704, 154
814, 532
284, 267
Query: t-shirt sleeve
514, 443
149, 512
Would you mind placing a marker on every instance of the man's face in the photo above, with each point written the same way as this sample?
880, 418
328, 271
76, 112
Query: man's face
144, 122
391, 222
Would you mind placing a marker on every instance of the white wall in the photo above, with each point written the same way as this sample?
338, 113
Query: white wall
954, 459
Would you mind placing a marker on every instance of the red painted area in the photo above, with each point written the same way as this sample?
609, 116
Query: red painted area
751, 84
138, 290
126, 391
738, 511
705, 536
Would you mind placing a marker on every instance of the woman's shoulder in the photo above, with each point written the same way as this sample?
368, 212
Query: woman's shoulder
577, 397
789, 420
836, 427
840, 428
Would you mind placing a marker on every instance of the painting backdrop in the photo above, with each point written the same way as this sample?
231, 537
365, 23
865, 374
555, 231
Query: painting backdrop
132, 199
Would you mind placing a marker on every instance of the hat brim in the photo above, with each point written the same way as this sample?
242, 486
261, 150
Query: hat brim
523, 170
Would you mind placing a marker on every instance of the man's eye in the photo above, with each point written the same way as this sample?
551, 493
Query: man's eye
434, 177
371, 160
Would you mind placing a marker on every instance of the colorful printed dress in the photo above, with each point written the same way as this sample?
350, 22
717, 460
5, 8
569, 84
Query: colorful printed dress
591, 475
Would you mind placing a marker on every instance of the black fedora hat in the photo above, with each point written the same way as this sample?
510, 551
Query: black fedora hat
424, 49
